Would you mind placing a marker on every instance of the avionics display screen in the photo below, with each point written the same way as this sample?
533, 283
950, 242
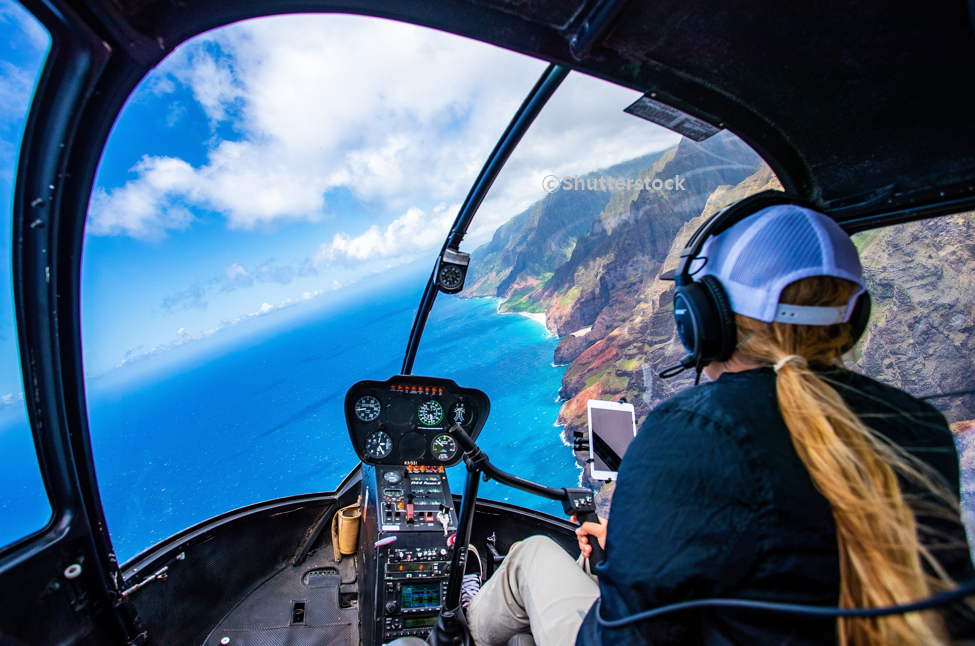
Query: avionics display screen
421, 595
612, 432
410, 567
424, 622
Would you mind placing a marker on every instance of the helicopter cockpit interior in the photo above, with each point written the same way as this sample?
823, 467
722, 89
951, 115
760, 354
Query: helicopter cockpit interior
170, 490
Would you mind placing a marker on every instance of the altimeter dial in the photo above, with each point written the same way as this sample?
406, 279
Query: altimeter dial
368, 408
378, 445
430, 412
444, 447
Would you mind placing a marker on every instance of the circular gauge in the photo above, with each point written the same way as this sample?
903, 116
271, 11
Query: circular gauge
368, 408
450, 276
444, 447
378, 445
430, 412
393, 477
461, 413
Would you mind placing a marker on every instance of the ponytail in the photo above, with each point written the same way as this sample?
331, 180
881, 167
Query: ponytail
855, 469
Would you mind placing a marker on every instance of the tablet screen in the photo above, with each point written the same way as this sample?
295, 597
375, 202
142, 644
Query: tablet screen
612, 432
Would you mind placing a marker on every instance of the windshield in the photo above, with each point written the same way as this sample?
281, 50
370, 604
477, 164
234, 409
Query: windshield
265, 215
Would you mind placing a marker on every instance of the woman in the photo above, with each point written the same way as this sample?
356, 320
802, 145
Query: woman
786, 478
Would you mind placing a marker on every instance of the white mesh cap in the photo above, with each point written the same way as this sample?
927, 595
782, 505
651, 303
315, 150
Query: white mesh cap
756, 258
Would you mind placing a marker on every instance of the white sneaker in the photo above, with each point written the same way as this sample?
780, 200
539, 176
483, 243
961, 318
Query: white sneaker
471, 584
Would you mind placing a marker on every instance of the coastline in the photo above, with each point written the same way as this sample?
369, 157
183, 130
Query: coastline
539, 318
534, 316
583, 478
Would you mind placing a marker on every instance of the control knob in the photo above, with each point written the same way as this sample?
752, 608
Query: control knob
391, 607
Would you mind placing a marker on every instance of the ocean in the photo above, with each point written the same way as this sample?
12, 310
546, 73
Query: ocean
257, 415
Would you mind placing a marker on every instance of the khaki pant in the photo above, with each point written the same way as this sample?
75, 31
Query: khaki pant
538, 589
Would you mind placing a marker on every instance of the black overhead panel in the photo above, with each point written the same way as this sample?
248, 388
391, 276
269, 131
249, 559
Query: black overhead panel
875, 98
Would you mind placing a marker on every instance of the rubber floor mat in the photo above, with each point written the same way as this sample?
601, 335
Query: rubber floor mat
295, 607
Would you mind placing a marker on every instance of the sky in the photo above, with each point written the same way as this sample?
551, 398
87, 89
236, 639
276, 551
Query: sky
279, 160
23, 48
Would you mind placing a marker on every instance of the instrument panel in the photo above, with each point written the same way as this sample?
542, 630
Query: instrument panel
406, 419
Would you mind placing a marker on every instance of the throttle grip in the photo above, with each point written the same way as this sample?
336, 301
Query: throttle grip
597, 554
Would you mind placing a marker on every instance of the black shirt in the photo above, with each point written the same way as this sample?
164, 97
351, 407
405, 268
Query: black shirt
713, 501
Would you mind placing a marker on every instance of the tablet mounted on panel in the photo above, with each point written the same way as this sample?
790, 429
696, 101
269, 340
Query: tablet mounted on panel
612, 426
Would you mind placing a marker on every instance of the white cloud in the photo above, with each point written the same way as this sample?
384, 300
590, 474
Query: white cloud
212, 81
397, 126
414, 231
405, 121
11, 398
147, 207
235, 272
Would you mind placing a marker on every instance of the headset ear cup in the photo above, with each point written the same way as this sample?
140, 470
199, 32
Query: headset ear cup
688, 301
860, 317
722, 331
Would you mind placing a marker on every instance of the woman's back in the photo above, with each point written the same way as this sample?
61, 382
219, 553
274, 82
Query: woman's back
713, 500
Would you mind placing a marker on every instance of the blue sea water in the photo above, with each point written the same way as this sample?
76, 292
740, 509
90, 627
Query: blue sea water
259, 415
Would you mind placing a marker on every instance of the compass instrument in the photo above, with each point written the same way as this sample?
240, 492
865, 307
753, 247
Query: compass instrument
368, 408
451, 277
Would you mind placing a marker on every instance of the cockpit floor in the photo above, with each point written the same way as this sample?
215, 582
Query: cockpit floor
272, 615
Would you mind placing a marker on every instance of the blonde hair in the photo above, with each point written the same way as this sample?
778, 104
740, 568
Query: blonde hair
856, 470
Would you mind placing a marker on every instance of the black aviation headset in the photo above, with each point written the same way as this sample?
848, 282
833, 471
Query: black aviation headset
705, 320
706, 326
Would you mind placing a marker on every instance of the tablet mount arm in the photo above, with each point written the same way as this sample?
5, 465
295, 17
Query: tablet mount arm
451, 626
